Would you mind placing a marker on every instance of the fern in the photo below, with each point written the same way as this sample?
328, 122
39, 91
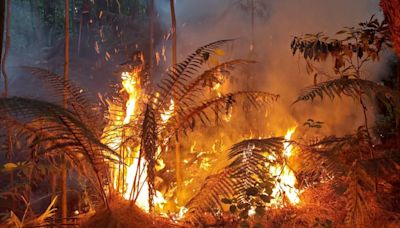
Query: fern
148, 148
174, 84
246, 169
187, 118
54, 131
348, 87
78, 100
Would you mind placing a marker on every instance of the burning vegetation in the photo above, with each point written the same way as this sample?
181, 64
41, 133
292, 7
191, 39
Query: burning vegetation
196, 143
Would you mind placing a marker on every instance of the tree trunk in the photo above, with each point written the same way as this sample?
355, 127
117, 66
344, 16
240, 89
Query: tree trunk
391, 9
151, 38
64, 173
178, 156
6, 49
173, 32
2, 13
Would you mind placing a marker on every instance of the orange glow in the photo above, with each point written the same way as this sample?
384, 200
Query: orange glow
129, 180
169, 112
285, 186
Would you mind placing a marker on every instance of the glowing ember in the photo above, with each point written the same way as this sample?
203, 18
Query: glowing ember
286, 180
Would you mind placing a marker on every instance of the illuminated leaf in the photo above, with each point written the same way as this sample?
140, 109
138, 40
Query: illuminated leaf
8, 167
15, 220
219, 52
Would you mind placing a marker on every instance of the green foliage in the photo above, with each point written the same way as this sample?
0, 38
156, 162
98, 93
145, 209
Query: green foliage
350, 164
359, 45
254, 202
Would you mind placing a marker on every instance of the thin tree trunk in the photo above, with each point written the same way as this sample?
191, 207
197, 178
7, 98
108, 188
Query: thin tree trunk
151, 36
2, 13
64, 171
5, 76
173, 32
178, 156
6, 50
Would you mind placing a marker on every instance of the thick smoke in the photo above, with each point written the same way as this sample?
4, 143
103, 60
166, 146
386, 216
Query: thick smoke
277, 71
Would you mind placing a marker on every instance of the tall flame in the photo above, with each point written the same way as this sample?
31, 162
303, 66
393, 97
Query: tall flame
134, 174
285, 186
131, 85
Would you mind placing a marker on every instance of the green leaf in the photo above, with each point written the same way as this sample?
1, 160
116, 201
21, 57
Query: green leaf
226, 201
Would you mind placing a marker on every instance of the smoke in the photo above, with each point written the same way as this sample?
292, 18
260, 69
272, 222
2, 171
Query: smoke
277, 70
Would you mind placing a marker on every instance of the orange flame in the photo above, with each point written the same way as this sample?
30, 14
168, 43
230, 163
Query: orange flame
133, 175
285, 186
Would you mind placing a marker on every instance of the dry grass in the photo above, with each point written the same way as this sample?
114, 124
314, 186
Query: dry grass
124, 214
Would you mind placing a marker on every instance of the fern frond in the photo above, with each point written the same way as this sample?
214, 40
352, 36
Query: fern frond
148, 148
171, 86
347, 87
187, 118
357, 206
206, 80
57, 131
247, 169
78, 100
209, 196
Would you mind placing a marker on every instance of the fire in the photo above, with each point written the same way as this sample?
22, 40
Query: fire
169, 112
131, 85
286, 180
129, 180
